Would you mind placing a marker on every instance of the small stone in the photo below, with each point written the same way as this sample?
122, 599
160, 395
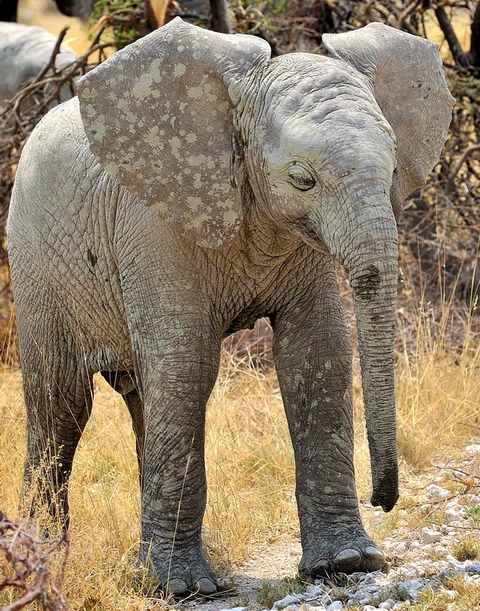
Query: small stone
436, 493
290, 599
335, 606
236, 609
473, 449
453, 511
314, 592
430, 536
387, 604
369, 608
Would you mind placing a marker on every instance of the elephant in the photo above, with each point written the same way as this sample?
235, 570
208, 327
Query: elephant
194, 186
24, 52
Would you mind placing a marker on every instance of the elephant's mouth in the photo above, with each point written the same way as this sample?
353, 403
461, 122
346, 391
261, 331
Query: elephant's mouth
309, 232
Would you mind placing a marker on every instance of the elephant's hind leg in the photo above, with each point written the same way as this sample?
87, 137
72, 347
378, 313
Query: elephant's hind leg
58, 395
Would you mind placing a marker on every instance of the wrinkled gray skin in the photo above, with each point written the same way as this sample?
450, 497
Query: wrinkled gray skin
221, 187
25, 50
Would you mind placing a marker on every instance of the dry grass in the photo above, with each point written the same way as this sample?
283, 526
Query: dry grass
250, 470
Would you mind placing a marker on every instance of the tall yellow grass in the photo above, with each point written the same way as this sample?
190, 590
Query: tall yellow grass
251, 504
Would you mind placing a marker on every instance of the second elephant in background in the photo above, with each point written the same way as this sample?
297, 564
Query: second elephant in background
24, 52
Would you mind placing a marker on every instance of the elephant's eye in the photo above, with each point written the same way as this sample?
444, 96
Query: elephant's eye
301, 178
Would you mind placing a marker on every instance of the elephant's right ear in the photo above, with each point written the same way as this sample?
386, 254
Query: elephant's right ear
158, 117
410, 88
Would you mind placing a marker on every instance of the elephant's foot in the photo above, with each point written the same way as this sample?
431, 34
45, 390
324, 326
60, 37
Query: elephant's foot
186, 574
349, 552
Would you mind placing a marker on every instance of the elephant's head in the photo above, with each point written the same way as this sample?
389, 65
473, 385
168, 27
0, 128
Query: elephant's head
330, 146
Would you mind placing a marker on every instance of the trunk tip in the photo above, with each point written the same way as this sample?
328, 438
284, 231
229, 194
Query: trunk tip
387, 503
385, 492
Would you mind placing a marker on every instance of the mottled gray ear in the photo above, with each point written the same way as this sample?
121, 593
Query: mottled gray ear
158, 117
411, 90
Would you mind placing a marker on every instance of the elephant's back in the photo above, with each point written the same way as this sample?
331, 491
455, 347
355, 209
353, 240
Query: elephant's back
56, 168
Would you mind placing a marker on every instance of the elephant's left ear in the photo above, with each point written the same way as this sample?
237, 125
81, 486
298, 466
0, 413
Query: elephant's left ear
158, 117
411, 90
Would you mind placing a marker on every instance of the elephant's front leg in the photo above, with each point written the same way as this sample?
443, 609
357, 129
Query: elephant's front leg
175, 387
312, 349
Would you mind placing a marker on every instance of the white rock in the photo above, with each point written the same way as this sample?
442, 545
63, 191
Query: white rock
458, 523
436, 493
453, 512
290, 599
335, 606
400, 548
430, 536
473, 449
369, 608
387, 604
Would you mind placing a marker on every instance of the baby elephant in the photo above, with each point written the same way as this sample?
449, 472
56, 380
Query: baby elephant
194, 186
24, 51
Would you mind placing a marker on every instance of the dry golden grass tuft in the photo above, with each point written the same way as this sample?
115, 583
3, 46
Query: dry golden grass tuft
251, 505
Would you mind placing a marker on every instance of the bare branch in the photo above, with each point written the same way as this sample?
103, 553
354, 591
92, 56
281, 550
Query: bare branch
466, 154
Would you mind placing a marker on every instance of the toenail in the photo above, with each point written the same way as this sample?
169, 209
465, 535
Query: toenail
177, 586
206, 586
347, 555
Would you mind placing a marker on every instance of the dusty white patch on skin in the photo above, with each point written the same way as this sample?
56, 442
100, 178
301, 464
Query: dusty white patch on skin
194, 203
201, 161
143, 87
195, 92
175, 148
112, 168
230, 216
151, 135
179, 70
299, 379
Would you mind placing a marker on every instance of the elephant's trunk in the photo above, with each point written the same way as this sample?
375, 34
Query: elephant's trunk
373, 271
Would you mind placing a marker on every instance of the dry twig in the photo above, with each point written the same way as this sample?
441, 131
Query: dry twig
24, 567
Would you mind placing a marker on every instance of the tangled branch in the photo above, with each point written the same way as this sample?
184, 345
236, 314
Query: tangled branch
24, 567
